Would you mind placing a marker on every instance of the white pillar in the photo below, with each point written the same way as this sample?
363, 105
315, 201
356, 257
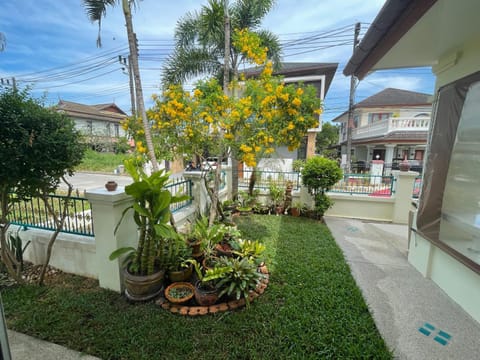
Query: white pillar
389, 153
403, 195
107, 209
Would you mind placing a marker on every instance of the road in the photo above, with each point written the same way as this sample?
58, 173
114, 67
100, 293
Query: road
88, 181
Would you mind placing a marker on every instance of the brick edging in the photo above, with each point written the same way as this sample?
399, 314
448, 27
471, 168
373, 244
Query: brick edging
221, 307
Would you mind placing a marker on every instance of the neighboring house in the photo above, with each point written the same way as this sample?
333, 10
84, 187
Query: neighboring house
100, 124
445, 237
391, 125
320, 75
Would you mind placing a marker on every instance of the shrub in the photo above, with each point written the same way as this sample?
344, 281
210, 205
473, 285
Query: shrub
319, 175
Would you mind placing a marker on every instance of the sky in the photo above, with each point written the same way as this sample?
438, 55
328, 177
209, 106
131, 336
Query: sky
51, 47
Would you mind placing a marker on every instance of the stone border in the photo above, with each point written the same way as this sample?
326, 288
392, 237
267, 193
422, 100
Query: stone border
216, 308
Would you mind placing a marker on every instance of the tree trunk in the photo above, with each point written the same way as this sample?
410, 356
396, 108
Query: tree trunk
58, 224
7, 256
132, 44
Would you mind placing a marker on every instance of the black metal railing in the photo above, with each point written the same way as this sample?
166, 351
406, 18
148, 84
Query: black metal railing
34, 213
180, 187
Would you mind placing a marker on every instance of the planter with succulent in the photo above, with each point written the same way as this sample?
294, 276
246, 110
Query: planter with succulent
179, 292
276, 194
146, 264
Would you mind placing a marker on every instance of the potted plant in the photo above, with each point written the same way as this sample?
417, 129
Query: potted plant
276, 193
296, 208
206, 290
209, 237
145, 264
252, 250
240, 277
229, 242
179, 292
178, 253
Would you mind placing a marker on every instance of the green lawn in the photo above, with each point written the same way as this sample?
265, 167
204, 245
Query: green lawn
101, 161
312, 309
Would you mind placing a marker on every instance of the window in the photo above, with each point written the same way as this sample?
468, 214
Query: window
376, 117
89, 127
419, 154
117, 130
108, 129
356, 120
449, 208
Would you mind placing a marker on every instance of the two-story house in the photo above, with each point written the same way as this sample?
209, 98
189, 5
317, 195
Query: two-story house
100, 124
391, 125
319, 75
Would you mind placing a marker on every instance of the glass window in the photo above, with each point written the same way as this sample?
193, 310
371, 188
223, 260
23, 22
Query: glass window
376, 117
460, 222
449, 207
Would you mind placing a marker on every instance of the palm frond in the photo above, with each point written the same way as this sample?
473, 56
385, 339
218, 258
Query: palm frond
248, 14
184, 64
271, 41
186, 30
96, 9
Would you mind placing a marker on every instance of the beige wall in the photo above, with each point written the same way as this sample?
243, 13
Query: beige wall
361, 207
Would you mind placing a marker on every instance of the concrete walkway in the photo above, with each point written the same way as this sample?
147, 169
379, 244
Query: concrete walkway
24, 347
415, 317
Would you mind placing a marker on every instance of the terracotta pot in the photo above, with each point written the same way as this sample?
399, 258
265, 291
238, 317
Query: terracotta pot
189, 288
111, 185
181, 275
142, 288
295, 212
205, 297
279, 210
224, 249
195, 245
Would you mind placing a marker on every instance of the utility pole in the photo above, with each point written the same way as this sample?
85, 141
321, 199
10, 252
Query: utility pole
226, 59
353, 85
127, 67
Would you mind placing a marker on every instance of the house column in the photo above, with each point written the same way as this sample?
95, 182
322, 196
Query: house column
370, 152
311, 139
107, 212
389, 153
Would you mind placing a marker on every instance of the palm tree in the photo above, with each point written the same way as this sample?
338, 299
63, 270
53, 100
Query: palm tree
96, 9
200, 39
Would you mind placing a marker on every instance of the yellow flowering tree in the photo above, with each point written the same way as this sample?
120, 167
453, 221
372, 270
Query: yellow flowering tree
266, 114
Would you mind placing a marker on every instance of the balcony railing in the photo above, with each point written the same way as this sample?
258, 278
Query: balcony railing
391, 125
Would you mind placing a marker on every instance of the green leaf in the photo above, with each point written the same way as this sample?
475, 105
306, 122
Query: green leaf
121, 251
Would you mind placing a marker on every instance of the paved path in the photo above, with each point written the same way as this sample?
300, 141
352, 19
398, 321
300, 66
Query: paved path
406, 306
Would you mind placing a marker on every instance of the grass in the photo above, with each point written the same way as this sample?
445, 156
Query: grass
312, 309
101, 161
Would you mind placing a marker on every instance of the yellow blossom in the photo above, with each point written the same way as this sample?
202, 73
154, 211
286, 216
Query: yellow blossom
296, 102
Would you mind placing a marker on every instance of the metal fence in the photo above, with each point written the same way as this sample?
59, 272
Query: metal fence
263, 178
361, 167
180, 187
365, 184
34, 213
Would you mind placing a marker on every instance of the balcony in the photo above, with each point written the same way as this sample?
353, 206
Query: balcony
382, 128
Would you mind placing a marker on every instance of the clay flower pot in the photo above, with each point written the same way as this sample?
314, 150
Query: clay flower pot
111, 185
179, 292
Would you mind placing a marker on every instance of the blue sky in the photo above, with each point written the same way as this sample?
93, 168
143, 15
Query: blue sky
51, 46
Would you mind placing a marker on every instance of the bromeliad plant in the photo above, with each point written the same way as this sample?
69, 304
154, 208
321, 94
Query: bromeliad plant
151, 213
